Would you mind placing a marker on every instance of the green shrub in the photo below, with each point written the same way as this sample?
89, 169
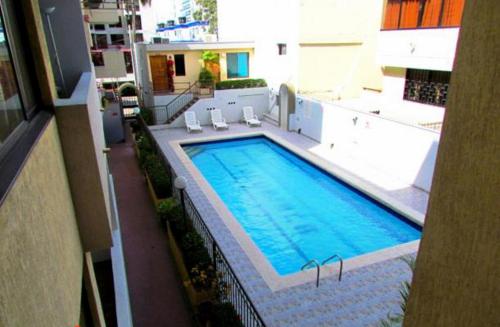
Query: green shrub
168, 210
205, 78
145, 148
224, 315
194, 251
240, 84
147, 116
157, 175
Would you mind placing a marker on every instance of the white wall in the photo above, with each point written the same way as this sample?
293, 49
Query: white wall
404, 151
267, 23
432, 49
114, 65
231, 102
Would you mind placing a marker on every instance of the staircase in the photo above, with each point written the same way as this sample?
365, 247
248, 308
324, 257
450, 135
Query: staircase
169, 113
181, 110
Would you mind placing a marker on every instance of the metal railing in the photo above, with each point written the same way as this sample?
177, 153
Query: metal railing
229, 284
162, 114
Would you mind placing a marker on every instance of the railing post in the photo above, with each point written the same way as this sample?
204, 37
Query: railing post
214, 255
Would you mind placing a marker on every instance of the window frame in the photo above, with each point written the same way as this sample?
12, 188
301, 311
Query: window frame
18, 145
247, 63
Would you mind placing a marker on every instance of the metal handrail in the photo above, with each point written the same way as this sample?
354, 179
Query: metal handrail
316, 263
341, 263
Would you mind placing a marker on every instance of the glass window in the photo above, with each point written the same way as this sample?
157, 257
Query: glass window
117, 25
180, 65
128, 62
97, 59
139, 37
117, 39
237, 65
282, 49
100, 41
11, 109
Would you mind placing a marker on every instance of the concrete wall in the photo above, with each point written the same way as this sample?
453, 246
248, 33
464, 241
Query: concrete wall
114, 65
82, 136
74, 55
404, 151
432, 48
457, 276
338, 42
42, 258
231, 102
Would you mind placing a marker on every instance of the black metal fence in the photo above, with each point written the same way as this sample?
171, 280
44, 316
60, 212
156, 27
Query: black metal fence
230, 288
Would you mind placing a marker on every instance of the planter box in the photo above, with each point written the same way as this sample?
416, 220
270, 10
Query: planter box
179, 261
198, 297
152, 193
195, 297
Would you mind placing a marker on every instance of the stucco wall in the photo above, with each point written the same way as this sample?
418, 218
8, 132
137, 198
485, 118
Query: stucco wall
457, 275
231, 103
338, 43
193, 64
41, 269
114, 65
404, 151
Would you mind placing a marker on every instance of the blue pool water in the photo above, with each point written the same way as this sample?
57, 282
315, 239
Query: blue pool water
292, 210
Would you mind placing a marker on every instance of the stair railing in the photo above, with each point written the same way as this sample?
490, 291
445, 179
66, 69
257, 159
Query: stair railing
162, 114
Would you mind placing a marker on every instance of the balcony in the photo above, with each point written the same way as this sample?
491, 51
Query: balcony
431, 49
101, 11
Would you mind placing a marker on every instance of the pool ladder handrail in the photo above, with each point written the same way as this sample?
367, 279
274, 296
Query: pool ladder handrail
341, 263
316, 263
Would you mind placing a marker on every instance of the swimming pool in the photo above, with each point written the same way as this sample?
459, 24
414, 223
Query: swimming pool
292, 210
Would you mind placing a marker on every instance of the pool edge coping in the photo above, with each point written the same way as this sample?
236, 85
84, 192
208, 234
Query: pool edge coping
260, 262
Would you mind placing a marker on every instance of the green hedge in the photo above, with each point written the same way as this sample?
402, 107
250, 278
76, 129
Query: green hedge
240, 84
158, 175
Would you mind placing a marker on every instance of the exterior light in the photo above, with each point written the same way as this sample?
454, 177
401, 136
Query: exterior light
180, 183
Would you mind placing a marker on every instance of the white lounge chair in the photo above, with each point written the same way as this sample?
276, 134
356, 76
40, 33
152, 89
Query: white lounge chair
192, 124
217, 120
250, 118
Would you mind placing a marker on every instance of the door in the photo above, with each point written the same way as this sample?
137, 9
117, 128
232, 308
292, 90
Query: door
159, 73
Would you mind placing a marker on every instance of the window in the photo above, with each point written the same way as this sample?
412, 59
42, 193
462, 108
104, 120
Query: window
21, 116
117, 39
99, 27
281, 49
139, 37
180, 65
427, 86
237, 65
138, 21
100, 41
128, 62
401, 14
97, 59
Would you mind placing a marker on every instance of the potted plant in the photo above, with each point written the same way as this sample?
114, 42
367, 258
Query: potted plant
206, 80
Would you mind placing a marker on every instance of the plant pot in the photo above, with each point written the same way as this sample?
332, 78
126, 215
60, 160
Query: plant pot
205, 91
197, 297
152, 192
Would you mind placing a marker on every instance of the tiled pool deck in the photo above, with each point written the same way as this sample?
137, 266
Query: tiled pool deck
363, 297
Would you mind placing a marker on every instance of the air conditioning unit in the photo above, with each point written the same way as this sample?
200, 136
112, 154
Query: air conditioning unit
170, 22
182, 20
165, 41
157, 40
161, 25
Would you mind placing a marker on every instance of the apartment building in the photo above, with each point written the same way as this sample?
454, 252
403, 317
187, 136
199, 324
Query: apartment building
110, 24
56, 200
416, 50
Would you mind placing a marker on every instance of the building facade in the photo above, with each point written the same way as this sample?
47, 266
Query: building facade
55, 198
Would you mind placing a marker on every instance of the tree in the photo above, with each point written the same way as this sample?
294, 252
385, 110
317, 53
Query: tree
209, 13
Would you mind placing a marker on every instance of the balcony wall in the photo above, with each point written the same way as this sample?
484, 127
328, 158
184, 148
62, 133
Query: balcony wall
432, 48
42, 258
114, 65
82, 138
102, 16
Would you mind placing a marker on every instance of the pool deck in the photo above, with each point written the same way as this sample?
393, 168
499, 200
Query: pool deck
364, 296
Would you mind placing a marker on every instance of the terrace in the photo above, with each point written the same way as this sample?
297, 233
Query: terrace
369, 289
